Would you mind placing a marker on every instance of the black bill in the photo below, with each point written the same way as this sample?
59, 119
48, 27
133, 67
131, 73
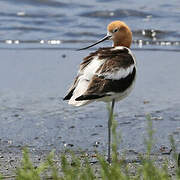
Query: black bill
107, 37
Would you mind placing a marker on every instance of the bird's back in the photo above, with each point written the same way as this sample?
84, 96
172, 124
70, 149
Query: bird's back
105, 74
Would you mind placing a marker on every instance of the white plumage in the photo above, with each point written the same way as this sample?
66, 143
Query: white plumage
84, 78
118, 73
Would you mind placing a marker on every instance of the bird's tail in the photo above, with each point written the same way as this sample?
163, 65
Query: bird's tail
73, 102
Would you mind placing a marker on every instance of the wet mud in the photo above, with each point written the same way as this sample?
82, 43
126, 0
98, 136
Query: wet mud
33, 113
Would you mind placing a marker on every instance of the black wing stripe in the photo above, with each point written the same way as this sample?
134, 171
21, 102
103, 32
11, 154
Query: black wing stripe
121, 85
69, 95
89, 97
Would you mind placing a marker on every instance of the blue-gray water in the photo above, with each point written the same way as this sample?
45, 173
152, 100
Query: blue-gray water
75, 22
38, 63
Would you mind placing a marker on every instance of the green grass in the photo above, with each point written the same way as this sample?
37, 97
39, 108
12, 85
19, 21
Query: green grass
74, 167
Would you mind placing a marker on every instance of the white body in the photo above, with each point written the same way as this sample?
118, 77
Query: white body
85, 76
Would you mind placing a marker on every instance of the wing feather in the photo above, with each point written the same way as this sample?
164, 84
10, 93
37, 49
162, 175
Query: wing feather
106, 71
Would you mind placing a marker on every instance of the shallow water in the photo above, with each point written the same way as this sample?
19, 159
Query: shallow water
31, 23
38, 63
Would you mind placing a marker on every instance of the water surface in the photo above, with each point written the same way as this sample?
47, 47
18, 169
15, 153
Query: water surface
38, 63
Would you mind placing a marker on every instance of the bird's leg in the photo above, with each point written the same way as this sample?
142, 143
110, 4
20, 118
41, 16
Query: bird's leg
109, 130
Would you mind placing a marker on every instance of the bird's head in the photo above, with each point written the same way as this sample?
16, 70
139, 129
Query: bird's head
118, 32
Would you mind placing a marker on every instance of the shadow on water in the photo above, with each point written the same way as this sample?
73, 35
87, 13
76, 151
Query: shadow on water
49, 3
119, 13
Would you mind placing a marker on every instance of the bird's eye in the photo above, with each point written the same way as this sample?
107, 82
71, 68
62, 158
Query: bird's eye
115, 30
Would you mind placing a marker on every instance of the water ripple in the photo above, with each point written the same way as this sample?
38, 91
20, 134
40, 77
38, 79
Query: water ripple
138, 44
60, 24
51, 3
156, 34
119, 13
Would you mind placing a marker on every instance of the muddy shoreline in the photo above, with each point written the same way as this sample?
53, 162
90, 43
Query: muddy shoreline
33, 114
11, 158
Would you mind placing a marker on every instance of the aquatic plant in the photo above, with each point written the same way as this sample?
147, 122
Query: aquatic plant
78, 167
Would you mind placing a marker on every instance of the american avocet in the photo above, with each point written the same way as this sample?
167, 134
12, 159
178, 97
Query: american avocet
107, 74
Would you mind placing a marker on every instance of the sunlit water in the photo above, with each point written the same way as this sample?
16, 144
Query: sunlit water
38, 63
53, 23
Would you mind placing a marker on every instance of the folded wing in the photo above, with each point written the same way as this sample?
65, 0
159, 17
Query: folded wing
104, 73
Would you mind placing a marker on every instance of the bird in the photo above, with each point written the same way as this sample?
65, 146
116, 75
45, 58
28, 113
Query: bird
108, 74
